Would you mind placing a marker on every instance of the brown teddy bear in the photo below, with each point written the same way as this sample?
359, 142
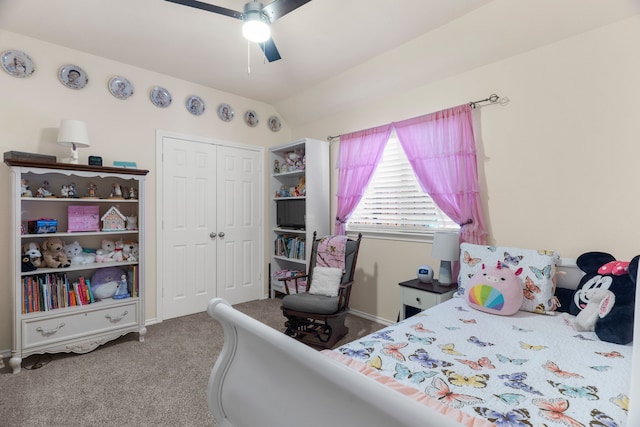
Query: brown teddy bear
53, 253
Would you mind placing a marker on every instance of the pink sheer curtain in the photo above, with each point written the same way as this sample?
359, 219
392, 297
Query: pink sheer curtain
358, 156
442, 152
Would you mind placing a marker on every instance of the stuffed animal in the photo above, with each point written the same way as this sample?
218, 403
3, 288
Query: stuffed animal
104, 282
614, 321
53, 253
130, 251
32, 250
495, 290
76, 254
118, 255
107, 251
27, 265
599, 301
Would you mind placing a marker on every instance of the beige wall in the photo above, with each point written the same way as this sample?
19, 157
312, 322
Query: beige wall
31, 110
558, 163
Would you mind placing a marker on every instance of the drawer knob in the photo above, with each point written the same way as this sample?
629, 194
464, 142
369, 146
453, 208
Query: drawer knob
418, 299
49, 331
116, 319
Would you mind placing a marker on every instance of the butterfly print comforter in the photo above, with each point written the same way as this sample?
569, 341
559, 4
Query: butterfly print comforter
525, 370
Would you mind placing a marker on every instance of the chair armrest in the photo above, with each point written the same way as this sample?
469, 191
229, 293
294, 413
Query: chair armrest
295, 278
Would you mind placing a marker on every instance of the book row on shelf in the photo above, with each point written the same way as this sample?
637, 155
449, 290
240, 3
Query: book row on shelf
44, 292
290, 247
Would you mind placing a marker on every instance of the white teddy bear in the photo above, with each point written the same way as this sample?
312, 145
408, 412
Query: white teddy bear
107, 252
76, 255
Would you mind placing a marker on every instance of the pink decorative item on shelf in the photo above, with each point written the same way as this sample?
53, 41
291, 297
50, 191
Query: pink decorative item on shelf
113, 220
83, 218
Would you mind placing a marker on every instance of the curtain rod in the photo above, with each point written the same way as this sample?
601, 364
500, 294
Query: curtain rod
493, 98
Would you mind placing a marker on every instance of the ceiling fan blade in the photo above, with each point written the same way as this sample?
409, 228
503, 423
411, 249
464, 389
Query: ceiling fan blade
209, 8
279, 8
270, 50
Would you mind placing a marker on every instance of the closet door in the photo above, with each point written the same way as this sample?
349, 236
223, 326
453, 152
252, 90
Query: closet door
211, 225
240, 207
189, 251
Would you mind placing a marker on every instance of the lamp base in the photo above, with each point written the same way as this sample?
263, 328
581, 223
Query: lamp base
445, 277
70, 160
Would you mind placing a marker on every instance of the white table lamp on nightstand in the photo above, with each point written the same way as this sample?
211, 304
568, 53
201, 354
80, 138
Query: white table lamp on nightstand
73, 133
446, 248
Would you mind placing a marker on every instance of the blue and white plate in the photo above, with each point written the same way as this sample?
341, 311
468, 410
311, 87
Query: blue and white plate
195, 105
120, 87
73, 76
17, 63
160, 97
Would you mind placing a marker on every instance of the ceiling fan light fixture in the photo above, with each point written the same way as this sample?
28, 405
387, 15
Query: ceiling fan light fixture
256, 24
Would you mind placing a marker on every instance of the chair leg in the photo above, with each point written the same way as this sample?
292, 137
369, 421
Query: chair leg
337, 329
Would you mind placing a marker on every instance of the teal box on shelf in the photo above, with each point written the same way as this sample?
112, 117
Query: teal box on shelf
42, 226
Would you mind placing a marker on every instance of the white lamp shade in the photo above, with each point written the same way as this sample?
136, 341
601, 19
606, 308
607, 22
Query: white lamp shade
73, 133
256, 24
446, 246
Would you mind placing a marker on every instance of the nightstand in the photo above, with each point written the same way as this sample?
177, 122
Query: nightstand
417, 296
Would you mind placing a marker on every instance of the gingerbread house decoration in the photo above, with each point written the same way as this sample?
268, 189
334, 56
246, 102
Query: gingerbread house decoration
113, 220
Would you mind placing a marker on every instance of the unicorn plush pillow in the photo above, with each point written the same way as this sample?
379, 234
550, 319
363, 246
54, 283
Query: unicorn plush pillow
535, 270
495, 290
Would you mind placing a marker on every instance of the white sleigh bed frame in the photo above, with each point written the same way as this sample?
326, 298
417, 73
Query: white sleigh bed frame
263, 377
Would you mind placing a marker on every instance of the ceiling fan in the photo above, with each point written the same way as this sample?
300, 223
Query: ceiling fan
256, 17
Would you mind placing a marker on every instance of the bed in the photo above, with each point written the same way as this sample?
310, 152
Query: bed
448, 366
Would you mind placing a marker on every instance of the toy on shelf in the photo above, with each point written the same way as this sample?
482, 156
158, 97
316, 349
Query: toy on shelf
133, 193
106, 251
113, 220
32, 251
118, 254
25, 191
77, 255
53, 253
121, 290
116, 191
130, 251
132, 222
43, 190
105, 281
92, 191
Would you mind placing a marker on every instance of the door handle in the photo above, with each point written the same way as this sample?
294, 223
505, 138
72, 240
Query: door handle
213, 234
221, 234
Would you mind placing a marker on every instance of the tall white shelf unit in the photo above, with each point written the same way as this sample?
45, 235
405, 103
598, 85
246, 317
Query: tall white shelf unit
80, 328
315, 172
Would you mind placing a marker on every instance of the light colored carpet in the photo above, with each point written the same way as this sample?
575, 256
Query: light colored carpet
160, 382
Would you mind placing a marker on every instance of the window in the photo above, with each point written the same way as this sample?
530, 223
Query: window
394, 203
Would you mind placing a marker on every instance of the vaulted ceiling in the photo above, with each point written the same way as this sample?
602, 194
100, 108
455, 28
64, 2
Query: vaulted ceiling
355, 44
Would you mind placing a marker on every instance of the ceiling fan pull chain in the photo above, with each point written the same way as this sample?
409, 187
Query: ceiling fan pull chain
248, 57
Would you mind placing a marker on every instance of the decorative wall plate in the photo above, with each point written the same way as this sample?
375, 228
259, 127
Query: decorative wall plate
73, 76
195, 105
251, 118
274, 123
17, 63
160, 97
120, 87
225, 112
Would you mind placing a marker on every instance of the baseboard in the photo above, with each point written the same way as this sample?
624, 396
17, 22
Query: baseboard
370, 317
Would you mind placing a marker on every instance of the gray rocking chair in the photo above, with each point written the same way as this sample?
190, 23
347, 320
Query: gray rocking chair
319, 320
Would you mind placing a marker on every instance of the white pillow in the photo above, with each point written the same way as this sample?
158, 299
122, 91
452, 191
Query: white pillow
325, 281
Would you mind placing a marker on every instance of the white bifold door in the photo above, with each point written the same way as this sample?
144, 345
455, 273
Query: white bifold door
211, 225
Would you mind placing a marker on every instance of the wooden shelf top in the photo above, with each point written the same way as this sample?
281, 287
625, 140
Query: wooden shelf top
74, 167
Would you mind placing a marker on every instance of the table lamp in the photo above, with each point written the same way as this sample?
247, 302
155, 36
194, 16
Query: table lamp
446, 248
73, 133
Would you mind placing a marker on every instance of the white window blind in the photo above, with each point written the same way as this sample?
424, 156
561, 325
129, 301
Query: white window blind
394, 201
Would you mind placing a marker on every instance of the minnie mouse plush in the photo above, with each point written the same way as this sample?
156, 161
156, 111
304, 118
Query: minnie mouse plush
614, 284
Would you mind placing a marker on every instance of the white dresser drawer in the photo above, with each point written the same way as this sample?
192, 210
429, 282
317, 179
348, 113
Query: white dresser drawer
38, 331
419, 299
